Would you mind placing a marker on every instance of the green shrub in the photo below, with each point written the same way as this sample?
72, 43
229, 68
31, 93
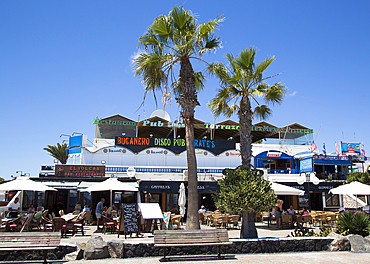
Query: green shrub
306, 232
350, 223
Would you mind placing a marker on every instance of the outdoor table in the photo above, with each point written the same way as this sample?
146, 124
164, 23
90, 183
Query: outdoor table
68, 217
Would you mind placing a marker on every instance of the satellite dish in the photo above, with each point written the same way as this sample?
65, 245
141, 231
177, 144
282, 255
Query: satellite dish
131, 172
162, 114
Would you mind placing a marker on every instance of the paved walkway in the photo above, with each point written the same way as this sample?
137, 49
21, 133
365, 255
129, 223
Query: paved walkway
263, 232
296, 258
262, 229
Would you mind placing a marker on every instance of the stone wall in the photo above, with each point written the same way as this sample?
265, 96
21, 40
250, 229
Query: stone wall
23, 256
239, 246
119, 249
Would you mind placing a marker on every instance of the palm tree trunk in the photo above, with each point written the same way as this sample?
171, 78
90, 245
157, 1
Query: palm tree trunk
248, 229
188, 101
245, 118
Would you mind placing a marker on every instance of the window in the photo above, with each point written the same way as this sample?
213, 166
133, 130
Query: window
332, 200
172, 199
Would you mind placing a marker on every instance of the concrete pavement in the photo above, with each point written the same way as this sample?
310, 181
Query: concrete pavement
263, 232
296, 258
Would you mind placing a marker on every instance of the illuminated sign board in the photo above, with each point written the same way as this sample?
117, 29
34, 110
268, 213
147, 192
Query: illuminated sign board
79, 171
176, 145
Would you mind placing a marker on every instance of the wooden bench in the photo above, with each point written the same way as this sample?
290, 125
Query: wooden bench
191, 238
11, 241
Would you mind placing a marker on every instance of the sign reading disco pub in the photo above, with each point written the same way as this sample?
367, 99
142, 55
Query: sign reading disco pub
79, 171
176, 145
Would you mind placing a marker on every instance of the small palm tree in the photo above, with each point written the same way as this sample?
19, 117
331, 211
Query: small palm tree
58, 152
351, 223
242, 82
171, 40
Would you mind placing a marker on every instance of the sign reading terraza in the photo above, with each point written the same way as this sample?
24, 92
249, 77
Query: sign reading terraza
206, 126
176, 145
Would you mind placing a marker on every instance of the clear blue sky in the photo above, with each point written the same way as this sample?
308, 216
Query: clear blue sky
62, 63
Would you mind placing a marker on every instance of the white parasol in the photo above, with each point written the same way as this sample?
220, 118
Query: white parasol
281, 189
182, 199
112, 184
23, 183
354, 188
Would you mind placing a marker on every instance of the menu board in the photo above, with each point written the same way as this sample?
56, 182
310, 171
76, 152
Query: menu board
150, 211
129, 218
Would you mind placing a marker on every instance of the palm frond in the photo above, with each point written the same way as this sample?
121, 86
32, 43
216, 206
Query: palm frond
262, 112
275, 93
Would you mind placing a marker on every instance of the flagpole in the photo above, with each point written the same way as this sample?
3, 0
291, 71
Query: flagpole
318, 132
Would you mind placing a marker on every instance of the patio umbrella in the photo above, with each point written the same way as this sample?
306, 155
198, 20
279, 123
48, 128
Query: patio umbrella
23, 183
182, 199
281, 189
112, 184
354, 188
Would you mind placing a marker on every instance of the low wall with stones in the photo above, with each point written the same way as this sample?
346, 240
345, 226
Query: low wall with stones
239, 246
23, 256
96, 248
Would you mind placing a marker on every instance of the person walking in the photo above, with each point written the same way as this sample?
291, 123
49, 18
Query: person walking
98, 212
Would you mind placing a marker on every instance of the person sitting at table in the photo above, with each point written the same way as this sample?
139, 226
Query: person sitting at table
37, 215
304, 211
105, 213
217, 211
42, 208
14, 208
114, 211
202, 209
86, 208
291, 210
359, 211
108, 212
31, 209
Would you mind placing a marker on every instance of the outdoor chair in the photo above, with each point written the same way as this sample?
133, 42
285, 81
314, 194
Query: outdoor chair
233, 221
26, 223
59, 224
88, 219
33, 224
176, 221
109, 224
264, 216
286, 221
79, 225
46, 223
2, 226
201, 218
304, 219
209, 219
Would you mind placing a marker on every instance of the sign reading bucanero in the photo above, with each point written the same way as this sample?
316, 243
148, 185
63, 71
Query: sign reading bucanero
176, 145
79, 171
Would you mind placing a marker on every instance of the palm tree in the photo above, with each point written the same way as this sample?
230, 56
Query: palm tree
242, 82
171, 40
58, 152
